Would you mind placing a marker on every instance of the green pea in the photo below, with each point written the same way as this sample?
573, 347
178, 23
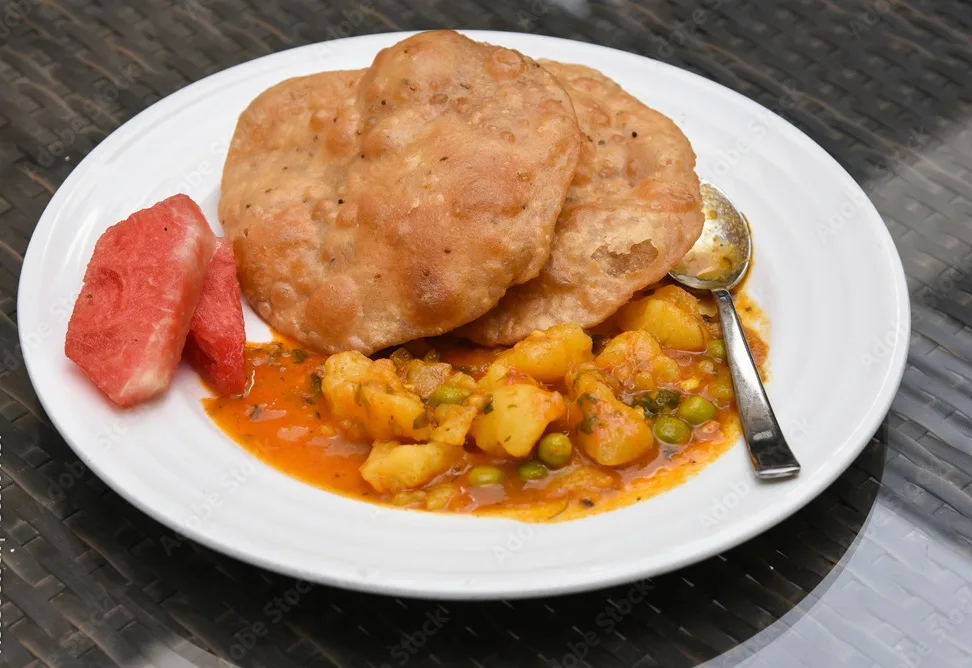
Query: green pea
716, 349
554, 450
445, 394
484, 476
695, 410
672, 430
532, 470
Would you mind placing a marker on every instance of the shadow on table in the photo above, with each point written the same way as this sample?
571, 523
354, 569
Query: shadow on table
251, 618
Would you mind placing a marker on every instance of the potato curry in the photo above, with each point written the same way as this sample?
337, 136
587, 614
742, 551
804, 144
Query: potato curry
564, 424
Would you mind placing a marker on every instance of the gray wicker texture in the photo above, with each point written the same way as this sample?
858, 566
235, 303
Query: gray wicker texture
877, 571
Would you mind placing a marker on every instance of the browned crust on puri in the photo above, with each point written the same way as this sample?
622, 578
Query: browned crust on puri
370, 208
632, 212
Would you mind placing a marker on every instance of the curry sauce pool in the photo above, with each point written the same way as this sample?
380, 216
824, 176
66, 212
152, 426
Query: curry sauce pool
597, 420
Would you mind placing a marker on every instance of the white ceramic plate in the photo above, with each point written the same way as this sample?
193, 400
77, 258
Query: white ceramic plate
826, 272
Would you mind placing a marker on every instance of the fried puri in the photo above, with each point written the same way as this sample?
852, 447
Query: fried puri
374, 207
633, 210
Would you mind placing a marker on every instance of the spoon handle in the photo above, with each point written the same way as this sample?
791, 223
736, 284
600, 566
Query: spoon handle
771, 456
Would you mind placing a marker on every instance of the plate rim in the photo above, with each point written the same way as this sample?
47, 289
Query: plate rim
893, 375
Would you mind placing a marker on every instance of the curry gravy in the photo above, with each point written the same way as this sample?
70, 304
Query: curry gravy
283, 420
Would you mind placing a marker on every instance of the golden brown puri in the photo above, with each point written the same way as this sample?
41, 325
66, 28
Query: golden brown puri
280, 182
369, 209
633, 210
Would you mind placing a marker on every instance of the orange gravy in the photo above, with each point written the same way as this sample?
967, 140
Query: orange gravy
283, 420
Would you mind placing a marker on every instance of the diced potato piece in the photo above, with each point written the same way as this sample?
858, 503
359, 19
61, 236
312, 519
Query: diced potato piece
665, 370
549, 354
453, 423
610, 432
632, 357
390, 414
423, 377
370, 395
500, 374
392, 467
351, 367
440, 496
517, 418
682, 298
343, 374
409, 498
670, 314
689, 384
494, 377
584, 477
461, 380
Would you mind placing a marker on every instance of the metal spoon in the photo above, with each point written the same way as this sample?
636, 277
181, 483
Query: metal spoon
718, 262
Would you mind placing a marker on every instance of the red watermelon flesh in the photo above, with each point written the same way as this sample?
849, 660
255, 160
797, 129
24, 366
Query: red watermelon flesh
140, 291
217, 337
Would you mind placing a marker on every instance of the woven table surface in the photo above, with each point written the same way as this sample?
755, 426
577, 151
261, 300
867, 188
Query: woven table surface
877, 571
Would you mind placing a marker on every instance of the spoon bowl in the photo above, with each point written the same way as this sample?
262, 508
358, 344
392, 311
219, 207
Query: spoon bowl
718, 262
721, 256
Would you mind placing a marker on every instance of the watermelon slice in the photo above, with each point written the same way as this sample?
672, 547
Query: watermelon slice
217, 337
140, 291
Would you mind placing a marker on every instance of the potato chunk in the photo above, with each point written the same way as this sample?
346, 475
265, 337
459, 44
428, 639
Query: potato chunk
583, 478
453, 423
515, 418
369, 395
549, 354
611, 433
392, 467
636, 361
502, 373
671, 315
